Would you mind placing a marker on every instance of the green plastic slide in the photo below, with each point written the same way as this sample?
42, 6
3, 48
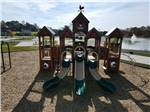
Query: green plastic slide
79, 77
79, 87
106, 85
54, 82
103, 83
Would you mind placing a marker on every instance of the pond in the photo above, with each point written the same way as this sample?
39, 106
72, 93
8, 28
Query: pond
139, 44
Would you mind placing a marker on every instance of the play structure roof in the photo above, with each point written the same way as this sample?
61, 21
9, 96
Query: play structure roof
93, 33
115, 32
46, 31
67, 32
80, 17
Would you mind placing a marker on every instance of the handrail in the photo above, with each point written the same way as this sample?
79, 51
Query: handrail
2, 55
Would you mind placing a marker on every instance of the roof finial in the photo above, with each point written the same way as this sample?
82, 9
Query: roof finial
81, 8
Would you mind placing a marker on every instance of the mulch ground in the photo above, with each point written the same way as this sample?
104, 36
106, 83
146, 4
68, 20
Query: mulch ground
21, 90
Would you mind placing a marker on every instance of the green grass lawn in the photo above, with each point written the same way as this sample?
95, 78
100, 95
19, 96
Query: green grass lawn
14, 48
21, 48
136, 64
137, 52
24, 37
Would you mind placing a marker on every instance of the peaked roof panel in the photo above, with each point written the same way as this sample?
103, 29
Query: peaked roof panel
67, 32
79, 17
93, 33
115, 32
46, 31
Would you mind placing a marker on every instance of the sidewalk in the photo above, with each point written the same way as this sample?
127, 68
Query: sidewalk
136, 58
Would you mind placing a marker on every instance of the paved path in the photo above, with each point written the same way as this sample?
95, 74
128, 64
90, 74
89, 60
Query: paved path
25, 43
136, 58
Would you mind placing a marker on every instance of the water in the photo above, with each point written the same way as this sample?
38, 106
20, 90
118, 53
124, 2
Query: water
139, 44
133, 38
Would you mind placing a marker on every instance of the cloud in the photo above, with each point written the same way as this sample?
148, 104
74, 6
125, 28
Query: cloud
123, 17
76, 1
45, 5
103, 15
100, 9
99, 1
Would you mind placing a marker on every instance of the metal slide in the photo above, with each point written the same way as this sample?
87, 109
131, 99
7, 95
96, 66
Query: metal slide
79, 77
52, 83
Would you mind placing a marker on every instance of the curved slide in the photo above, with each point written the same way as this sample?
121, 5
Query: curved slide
52, 83
104, 84
79, 76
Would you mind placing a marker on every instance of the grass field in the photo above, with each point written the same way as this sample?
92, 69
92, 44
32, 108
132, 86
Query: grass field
24, 38
21, 48
137, 52
14, 48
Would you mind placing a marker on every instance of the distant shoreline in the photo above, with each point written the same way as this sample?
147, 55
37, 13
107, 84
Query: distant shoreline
137, 52
136, 37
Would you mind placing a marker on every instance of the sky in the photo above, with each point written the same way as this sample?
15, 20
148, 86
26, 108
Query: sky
102, 14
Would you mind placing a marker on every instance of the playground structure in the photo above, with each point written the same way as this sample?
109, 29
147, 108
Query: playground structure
49, 54
84, 58
3, 60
